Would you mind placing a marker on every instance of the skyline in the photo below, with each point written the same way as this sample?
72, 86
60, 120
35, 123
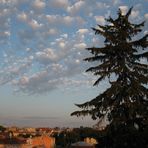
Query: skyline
42, 73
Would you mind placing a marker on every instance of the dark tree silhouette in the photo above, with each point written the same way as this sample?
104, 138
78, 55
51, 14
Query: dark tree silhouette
125, 102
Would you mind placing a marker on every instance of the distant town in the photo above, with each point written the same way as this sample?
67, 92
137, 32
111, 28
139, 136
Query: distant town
45, 137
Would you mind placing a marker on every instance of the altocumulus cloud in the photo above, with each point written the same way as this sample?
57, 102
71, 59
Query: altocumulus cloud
42, 42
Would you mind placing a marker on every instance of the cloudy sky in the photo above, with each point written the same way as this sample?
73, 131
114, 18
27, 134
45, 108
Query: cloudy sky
42, 44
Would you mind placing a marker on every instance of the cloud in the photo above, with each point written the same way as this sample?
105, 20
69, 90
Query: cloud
39, 83
82, 31
36, 83
55, 19
26, 36
9, 73
56, 74
100, 20
46, 56
64, 20
146, 16
68, 20
43, 42
5, 13
14, 3
34, 24
76, 7
65, 35
5, 1
24, 80
52, 31
80, 46
123, 9
101, 5
22, 16
116, 2
58, 3
56, 65
38, 4
135, 14
62, 44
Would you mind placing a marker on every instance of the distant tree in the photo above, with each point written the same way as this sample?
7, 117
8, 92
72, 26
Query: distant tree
123, 61
2, 128
77, 134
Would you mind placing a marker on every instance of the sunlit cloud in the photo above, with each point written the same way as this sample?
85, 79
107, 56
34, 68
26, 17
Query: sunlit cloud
100, 20
123, 9
39, 4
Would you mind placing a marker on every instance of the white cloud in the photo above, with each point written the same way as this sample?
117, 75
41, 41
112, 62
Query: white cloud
22, 16
26, 36
123, 9
59, 39
90, 14
24, 80
38, 4
77, 61
101, 5
5, 26
34, 24
68, 20
5, 1
51, 37
28, 49
59, 3
52, 31
80, 21
7, 33
62, 44
134, 14
14, 2
46, 56
146, 32
14, 70
54, 74
115, 2
37, 83
100, 20
80, 45
60, 19
146, 16
29, 20
64, 35
52, 18
76, 7
53, 77
82, 31
64, 20
39, 77
4, 12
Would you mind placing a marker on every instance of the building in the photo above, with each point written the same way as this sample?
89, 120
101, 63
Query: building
91, 141
42, 141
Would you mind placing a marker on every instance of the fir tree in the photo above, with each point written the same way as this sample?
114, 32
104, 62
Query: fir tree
125, 102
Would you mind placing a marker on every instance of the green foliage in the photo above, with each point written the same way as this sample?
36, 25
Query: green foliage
125, 102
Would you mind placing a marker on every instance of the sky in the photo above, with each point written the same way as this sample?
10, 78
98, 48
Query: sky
42, 47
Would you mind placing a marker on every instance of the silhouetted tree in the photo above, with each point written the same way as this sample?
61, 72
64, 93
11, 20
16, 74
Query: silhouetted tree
123, 61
